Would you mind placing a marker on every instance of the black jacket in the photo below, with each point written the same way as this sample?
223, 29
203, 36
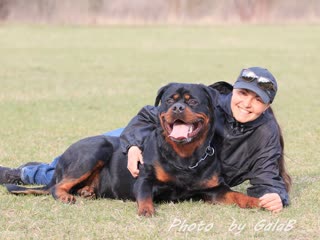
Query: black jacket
247, 151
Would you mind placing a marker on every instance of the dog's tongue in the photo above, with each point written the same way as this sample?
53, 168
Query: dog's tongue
180, 130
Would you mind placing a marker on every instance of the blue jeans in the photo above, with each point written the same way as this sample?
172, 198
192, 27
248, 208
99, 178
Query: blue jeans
42, 173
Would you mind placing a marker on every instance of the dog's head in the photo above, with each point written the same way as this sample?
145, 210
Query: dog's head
186, 115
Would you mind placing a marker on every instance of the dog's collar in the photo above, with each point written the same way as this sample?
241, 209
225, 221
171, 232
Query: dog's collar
209, 152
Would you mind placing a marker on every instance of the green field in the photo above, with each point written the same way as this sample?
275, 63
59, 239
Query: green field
62, 83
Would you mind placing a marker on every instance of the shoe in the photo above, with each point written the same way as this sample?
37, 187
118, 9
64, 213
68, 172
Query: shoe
10, 175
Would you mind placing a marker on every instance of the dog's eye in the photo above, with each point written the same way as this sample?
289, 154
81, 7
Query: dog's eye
170, 101
193, 102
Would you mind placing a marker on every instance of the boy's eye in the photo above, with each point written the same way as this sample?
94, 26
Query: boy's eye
242, 92
258, 99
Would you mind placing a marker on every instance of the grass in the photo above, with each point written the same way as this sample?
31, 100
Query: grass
62, 83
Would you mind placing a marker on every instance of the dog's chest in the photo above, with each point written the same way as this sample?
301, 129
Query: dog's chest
187, 179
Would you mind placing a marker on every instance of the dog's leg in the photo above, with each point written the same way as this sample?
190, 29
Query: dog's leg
145, 207
225, 195
89, 180
240, 199
62, 189
92, 183
143, 193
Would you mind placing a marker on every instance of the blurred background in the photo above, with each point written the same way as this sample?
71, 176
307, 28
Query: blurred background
159, 11
76, 68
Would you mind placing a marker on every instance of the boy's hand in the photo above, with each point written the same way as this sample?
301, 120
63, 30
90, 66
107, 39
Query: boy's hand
134, 158
271, 202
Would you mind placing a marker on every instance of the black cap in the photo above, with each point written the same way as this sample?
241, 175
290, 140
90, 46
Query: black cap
266, 95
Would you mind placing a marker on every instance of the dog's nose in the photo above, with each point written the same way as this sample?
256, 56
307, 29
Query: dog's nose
178, 108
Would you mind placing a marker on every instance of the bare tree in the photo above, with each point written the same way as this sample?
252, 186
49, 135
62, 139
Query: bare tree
96, 6
46, 8
4, 9
252, 9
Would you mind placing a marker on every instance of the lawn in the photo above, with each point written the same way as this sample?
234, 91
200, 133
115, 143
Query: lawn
63, 83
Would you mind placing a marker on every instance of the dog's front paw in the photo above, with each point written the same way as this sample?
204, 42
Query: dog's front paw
146, 208
146, 211
253, 202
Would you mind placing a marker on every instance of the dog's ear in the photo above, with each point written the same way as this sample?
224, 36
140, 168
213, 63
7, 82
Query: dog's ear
212, 95
160, 93
222, 87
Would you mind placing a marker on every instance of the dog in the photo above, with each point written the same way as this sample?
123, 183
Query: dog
179, 159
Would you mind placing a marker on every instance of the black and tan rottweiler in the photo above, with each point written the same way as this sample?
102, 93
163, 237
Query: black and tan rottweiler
179, 159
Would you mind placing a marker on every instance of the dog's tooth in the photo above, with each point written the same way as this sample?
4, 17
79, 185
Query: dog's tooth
190, 128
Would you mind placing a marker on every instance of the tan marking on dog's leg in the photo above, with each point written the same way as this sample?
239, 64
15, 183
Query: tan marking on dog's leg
145, 207
63, 188
210, 183
242, 200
